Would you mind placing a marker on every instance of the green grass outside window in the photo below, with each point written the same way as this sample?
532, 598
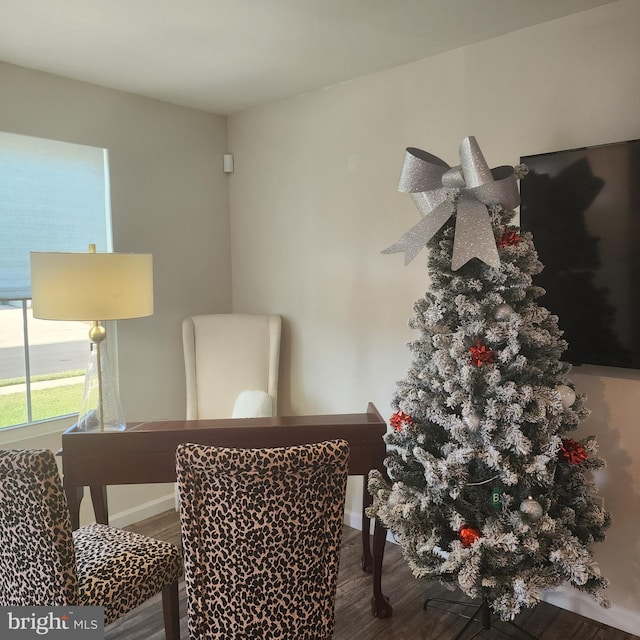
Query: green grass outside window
46, 403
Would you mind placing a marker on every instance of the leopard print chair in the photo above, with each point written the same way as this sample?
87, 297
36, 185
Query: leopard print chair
44, 563
261, 530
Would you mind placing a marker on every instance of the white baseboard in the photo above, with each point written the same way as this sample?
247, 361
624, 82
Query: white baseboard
143, 511
563, 597
580, 603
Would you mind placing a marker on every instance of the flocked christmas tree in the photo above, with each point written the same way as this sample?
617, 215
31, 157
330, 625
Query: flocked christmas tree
488, 492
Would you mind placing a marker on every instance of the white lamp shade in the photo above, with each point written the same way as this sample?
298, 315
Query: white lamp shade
91, 286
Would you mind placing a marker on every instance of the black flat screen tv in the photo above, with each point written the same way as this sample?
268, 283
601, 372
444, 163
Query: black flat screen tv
583, 208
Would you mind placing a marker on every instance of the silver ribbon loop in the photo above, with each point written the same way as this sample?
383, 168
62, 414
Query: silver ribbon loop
421, 171
430, 181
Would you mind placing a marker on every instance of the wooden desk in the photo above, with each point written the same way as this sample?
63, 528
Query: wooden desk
145, 453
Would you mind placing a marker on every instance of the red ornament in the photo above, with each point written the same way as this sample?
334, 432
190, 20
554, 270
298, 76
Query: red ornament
572, 452
508, 239
481, 354
468, 535
400, 419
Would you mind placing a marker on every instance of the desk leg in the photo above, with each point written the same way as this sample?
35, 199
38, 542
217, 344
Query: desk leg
366, 561
99, 500
74, 498
379, 602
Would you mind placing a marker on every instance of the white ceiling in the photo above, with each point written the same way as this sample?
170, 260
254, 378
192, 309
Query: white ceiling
227, 55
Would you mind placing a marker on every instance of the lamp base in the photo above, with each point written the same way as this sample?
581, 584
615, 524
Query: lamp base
91, 422
100, 409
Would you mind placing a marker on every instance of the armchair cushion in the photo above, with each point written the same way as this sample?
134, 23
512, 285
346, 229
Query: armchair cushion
253, 404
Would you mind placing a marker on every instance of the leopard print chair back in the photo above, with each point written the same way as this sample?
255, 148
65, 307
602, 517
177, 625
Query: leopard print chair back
261, 532
36, 544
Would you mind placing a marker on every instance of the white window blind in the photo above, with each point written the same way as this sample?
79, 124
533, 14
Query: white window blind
53, 197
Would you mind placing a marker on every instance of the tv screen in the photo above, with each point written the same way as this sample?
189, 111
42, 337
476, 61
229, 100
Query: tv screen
583, 208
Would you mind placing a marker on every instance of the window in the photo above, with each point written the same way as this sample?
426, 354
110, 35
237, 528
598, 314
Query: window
54, 196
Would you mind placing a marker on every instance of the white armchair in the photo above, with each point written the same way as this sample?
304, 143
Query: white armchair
231, 365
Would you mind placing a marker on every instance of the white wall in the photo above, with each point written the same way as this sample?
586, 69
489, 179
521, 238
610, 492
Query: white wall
313, 202
169, 198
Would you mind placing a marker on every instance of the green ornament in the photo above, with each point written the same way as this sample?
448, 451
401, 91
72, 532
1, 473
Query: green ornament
495, 497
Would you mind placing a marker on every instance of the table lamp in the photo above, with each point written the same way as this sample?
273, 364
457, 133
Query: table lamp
93, 287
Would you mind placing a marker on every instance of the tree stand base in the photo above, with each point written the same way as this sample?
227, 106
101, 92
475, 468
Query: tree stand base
482, 614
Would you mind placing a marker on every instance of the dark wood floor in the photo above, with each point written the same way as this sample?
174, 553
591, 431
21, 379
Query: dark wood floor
354, 620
